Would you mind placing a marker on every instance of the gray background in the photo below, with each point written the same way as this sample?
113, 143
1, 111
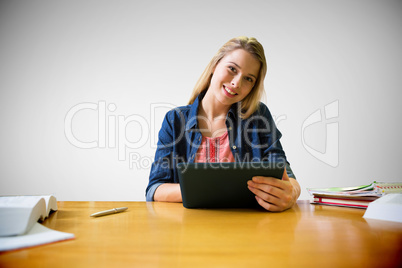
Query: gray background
144, 57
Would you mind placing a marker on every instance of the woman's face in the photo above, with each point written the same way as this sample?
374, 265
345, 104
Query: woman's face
234, 76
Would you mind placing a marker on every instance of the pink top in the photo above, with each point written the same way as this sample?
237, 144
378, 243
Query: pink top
214, 150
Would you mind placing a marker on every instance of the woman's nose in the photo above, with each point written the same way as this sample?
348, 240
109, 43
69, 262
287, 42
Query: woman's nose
236, 82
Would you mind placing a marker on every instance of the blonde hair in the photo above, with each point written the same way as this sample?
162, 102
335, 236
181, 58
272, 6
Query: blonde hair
250, 103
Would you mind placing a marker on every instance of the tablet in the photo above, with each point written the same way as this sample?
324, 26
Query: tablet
222, 185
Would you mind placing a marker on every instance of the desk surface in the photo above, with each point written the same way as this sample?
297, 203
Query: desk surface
168, 235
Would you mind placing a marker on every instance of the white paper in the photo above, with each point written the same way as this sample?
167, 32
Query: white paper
38, 235
388, 208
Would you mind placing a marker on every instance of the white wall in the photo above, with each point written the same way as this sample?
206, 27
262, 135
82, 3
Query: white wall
132, 60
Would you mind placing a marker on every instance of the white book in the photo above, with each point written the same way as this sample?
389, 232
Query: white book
388, 208
19, 216
19, 213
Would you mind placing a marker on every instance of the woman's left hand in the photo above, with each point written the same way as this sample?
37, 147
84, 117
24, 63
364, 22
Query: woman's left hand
273, 194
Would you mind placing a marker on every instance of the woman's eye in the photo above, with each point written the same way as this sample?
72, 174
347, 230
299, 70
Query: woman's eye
232, 69
249, 79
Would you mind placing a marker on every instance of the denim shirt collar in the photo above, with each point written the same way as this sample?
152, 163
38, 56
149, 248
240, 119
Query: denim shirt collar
192, 122
192, 119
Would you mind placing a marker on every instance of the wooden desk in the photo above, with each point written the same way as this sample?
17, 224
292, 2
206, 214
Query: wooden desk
168, 235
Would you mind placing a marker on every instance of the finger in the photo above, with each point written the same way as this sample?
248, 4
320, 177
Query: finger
274, 207
270, 181
285, 176
279, 197
267, 197
266, 180
261, 189
266, 205
279, 202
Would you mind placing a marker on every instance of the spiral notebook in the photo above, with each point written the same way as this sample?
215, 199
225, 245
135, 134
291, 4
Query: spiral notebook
375, 188
388, 187
355, 196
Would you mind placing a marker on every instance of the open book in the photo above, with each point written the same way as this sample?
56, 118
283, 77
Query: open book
19, 213
19, 227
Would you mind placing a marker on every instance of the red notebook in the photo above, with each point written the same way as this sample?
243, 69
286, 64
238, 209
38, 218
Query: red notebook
345, 202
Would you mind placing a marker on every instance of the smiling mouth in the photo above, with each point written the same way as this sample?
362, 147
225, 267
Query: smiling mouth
230, 91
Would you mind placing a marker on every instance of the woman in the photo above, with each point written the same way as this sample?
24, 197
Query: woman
224, 122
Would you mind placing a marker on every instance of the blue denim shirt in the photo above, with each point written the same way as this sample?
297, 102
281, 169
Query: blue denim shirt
254, 139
